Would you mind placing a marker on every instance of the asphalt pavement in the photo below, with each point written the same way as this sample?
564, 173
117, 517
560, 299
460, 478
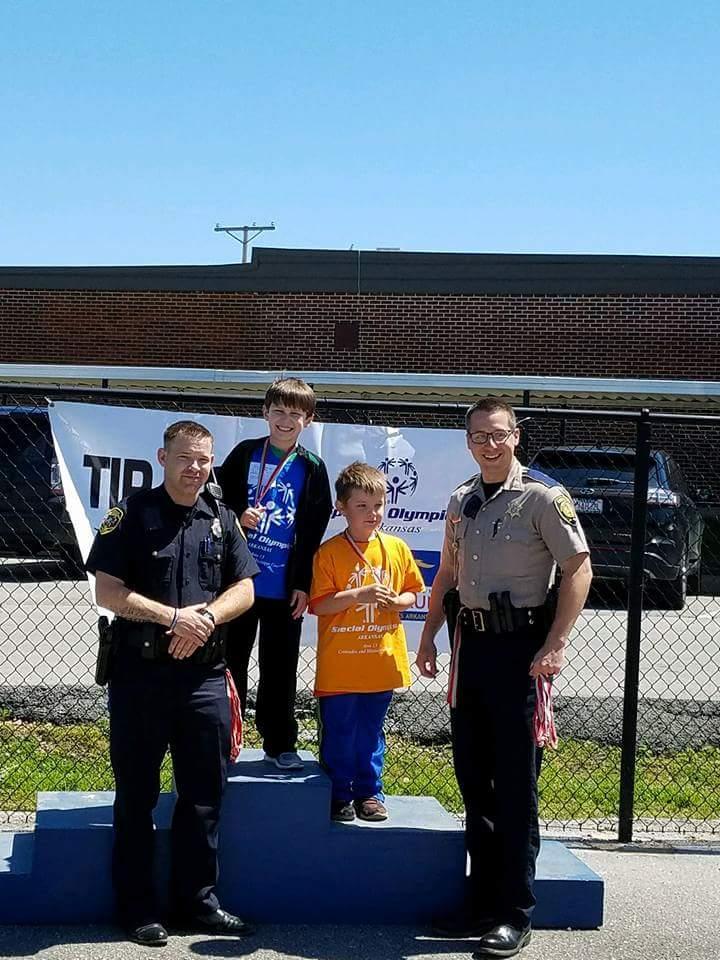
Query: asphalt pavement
660, 905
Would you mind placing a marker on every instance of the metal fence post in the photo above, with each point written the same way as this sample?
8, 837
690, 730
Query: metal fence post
634, 628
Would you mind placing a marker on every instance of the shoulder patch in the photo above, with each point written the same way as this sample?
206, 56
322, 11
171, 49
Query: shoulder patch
565, 507
539, 477
466, 483
111, 521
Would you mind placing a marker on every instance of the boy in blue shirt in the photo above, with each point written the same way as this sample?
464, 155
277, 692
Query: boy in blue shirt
281, 493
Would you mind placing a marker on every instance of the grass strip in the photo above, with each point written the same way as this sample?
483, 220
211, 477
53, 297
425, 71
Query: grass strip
579, 781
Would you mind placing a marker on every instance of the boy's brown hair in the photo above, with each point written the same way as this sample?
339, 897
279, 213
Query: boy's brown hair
291, 392
359, 476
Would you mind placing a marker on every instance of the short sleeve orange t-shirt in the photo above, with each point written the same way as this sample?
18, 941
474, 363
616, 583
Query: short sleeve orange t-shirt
362, 649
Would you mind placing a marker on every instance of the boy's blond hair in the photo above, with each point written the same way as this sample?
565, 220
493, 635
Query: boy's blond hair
291, 392
359, 476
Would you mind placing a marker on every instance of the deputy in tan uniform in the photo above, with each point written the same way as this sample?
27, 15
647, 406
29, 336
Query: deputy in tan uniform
507, 530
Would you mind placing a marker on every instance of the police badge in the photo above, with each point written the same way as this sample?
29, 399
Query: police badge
216, 528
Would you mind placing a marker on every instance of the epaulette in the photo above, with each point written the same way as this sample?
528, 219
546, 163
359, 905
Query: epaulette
541, 477
136, 497
465, 483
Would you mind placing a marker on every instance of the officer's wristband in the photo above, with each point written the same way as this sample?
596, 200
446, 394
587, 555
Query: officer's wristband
174, 620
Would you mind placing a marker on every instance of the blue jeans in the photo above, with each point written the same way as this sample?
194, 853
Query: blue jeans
352, 743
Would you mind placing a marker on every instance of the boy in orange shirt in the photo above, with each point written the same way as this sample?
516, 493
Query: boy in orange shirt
362, 580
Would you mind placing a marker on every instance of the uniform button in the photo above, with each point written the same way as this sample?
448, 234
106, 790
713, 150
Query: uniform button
473, 583
186, 582
147, 643
474, 556
477, 531
507, 536
154, 553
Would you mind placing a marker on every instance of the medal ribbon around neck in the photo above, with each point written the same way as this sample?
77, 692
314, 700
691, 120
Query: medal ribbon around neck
262, 490
361, 555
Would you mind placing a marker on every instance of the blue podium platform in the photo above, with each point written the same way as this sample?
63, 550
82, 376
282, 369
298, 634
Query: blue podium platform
281, 858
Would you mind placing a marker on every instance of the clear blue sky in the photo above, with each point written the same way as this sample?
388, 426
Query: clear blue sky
556, 126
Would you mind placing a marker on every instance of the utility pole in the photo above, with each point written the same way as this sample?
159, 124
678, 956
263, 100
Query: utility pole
245, 240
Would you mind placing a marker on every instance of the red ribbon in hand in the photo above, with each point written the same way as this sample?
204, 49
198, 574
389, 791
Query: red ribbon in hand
544, 732
236, 724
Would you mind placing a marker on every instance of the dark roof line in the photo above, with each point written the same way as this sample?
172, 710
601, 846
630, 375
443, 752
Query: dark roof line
274, 270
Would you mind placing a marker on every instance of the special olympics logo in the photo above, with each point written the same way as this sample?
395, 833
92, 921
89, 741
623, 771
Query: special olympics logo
402, 477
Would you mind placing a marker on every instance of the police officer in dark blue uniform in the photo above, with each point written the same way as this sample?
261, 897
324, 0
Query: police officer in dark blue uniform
173, 565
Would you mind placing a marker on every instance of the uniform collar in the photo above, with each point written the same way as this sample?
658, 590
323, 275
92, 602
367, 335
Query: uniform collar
201, 505
300, 450
513, 481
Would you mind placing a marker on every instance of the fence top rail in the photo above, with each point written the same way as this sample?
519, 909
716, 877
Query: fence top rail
370, 379
102, 394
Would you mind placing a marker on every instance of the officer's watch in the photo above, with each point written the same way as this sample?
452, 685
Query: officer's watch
210, 615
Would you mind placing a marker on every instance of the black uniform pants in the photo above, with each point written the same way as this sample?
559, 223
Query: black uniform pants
155, 705
497, 765
278, 654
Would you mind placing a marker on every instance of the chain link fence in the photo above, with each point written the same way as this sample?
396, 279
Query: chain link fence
637, 706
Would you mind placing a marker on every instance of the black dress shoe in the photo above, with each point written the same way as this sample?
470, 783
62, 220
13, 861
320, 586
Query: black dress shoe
222, 922
502, 941
149, 935
462, 925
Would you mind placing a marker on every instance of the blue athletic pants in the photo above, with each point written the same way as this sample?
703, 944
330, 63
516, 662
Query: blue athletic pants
352, 743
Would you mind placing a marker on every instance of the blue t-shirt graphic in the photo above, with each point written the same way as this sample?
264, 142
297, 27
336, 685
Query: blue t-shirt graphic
271, 540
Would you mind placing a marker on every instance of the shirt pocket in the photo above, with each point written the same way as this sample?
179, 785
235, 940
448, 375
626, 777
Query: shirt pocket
159, 567
517, 532
210, 566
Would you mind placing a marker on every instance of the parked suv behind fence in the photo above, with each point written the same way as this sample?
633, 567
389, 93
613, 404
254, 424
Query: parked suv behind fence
33, 520
601, 482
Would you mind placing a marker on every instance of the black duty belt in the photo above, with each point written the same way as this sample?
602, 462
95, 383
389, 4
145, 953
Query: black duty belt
153, 643
148, 641
488, 621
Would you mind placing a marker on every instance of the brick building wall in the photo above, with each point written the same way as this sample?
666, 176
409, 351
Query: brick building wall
598, 316
674, 337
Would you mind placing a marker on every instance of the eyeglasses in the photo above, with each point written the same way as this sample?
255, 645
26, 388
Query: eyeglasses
481, 437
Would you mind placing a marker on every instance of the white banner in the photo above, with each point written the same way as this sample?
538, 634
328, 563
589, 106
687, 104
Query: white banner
106, 452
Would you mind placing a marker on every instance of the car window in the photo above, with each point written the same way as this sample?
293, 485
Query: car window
592, 468
26, 451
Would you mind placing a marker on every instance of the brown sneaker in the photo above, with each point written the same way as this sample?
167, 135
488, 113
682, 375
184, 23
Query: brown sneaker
370, 809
